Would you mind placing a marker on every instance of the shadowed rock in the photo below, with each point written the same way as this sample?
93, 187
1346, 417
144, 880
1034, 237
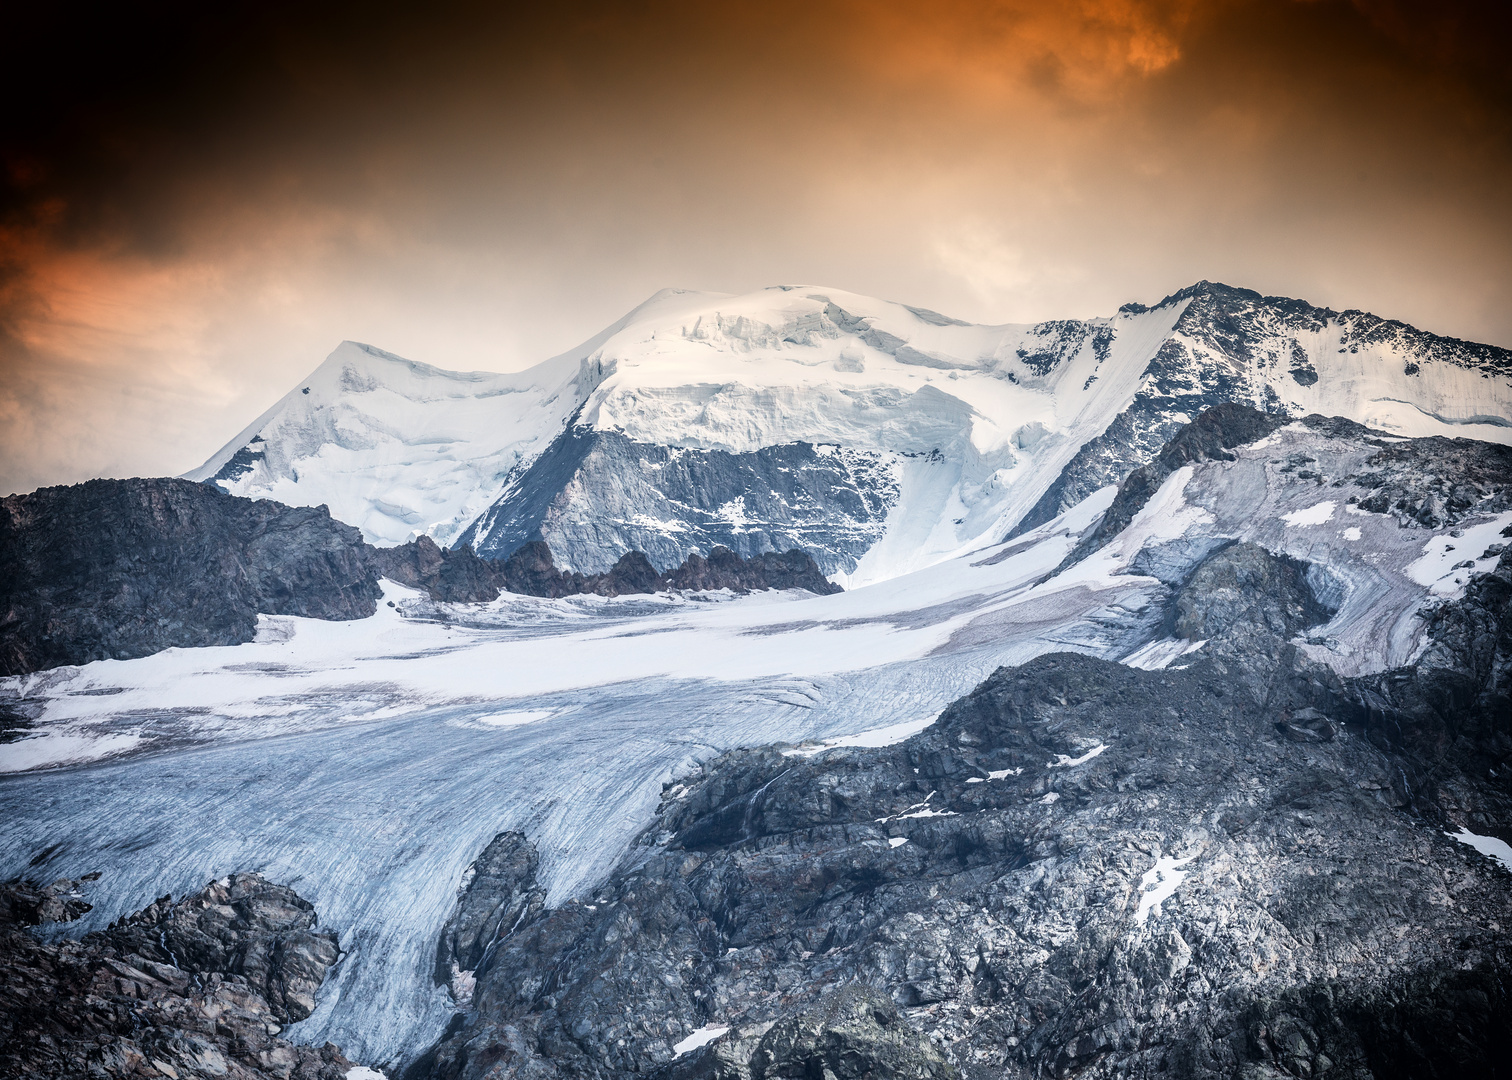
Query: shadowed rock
196, 989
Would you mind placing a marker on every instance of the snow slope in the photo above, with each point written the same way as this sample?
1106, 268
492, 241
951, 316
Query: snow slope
879, 437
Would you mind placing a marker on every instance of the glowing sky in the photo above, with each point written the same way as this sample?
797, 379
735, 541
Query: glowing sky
198, 207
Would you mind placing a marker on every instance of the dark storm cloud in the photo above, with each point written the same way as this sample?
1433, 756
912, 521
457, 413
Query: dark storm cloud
198, 202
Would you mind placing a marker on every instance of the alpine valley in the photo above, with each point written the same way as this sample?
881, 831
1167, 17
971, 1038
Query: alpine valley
788, 685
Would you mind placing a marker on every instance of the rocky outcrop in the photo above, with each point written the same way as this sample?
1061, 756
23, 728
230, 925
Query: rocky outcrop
1235, 345
593, 494
116, 569
531, 570
1448, 717
200, 988
500, 893
1080, 869
112, 569
240, 925
724, 569
452, 575
1208, 438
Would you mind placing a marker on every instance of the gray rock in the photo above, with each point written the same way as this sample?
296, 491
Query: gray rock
110, 1006
239, 925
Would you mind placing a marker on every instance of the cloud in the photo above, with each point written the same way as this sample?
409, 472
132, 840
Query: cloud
199, 203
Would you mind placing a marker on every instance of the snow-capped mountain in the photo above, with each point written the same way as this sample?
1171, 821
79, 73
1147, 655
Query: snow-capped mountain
879, 437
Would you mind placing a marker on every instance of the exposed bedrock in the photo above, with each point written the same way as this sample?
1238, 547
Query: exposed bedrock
1081, 868
197, 988
532, 571
112, 569
1430, 483
594, 493
115, 569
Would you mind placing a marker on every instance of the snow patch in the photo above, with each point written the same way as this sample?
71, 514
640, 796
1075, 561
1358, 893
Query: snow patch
882, 736
1317, 514
702, 1037
514, 719
1159, 883
897, 841
1065, 761
1492, 846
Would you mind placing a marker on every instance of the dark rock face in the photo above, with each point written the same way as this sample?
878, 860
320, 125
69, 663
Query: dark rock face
240, 925
594, 493
531, 571
456, 576
1192, 372
1449, 716
123, 568
1208, 438
115, 569
107, 1006
501, 892
1080, 869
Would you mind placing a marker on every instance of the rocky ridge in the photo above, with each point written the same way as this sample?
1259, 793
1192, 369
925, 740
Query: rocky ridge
114, 569
1235, 345
197, 988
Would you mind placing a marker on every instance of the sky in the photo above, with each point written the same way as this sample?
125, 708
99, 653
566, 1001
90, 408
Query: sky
197, 206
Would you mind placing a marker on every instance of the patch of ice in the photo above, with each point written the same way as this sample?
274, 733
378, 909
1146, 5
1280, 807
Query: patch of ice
1158, 883
42, 751
514, 719
1065, 761
897, 841
362, 1072
882, 736
1495, 847
1161, 653
702, 1037
1317, 514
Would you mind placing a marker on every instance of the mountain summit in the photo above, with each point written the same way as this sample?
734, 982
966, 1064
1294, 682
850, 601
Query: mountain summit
879, 437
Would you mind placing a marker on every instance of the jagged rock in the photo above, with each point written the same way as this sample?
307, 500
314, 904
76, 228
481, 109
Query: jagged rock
456, 576
531, 570
107, 1007
1208, 438
113, 569
500, 893
591, 491
240, 925
724, 569
852, 1034
25, 904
